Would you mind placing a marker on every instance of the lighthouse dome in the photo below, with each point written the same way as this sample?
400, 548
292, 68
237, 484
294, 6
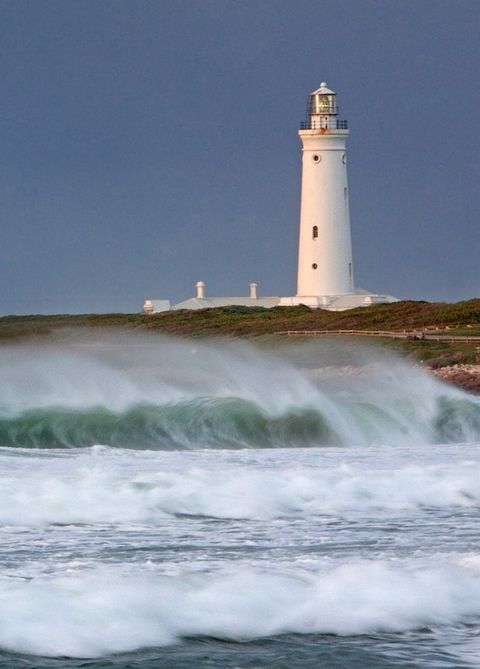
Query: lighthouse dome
323, 90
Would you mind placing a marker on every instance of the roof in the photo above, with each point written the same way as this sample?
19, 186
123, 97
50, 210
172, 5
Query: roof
212, 302
157, 305
361, 298
323, 90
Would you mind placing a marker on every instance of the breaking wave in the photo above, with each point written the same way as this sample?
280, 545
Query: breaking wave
166, 394
237, 423
62, 615
202, 423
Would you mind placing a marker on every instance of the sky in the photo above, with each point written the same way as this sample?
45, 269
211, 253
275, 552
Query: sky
146, 145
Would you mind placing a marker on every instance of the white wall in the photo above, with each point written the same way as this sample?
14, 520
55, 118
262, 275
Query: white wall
324, 203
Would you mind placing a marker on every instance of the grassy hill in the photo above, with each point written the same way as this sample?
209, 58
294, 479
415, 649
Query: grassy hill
461, 318
256, 321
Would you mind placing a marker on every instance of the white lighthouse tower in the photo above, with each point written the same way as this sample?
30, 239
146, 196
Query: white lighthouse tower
325, 264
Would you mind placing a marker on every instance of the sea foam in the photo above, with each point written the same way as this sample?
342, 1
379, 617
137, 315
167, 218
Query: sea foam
102, 487
94, 613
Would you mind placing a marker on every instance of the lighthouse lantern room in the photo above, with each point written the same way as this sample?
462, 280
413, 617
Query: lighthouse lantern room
321, 107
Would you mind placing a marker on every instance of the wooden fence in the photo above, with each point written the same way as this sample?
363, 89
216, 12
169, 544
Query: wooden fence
392, 334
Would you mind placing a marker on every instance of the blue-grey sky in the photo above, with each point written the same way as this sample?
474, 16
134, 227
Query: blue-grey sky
148, 144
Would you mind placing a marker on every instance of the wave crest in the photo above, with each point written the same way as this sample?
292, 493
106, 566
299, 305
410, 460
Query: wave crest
168, 394
237, 423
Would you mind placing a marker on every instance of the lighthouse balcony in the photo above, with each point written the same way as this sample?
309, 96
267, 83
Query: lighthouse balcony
324, 124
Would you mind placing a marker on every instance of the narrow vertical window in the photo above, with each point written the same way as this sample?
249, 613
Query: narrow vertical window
315, 232
350, 270
345, 195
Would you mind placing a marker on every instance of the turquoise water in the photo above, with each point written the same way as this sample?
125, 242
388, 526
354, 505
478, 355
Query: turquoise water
169, 504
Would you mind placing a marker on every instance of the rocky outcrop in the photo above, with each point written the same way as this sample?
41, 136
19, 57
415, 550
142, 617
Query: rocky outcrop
466, 377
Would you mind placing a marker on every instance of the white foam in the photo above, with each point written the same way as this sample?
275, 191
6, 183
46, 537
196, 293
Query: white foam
118, 372
105, 485
93, 613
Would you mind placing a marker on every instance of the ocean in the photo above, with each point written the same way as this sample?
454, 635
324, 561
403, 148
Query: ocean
173, 504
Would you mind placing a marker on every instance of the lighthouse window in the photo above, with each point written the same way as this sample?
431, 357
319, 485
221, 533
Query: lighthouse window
315, 232
316, 158
314, 266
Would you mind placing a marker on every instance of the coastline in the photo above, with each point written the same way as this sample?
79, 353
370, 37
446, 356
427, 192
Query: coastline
466, 377
439, 337
463, 376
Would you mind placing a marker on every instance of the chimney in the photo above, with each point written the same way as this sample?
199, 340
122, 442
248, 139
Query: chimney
253, 291
200, 286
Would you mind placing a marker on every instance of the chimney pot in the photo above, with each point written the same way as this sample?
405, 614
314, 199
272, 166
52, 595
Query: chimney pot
200, 286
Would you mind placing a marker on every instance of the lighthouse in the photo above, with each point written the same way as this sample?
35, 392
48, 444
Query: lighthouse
325, 265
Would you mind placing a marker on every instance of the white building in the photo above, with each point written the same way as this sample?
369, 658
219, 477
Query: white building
200, 301
325, 264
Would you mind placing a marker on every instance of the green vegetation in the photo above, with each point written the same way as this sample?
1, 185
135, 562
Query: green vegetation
460, 319
436, 354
